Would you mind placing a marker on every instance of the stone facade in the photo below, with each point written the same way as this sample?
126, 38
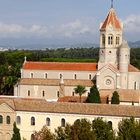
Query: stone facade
31, 115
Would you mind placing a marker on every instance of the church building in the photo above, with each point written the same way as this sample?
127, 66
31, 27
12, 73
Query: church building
52, 80
42, 82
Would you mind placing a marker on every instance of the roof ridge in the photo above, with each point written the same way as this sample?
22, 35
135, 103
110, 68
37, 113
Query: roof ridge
111, 18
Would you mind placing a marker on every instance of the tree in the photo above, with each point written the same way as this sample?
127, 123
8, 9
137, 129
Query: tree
44, 134
80, 90
80, 130
129, 129
16, 133
94, 96
63, 133
115, 98
103, 130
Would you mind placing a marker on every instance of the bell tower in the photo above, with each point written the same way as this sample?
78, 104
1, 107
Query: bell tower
110, 39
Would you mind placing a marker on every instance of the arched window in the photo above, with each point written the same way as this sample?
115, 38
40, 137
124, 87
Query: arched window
32, 137
135, 85
75, 76
63, 123
46, 75
48, 121
110, 123
103, 39
32, 120
8, 120
73, 93
58, 94
32, 75
18, 120
93, 121
43, 93
60, 76
1, 119
28, 92
117, 40
110, 39
90, 76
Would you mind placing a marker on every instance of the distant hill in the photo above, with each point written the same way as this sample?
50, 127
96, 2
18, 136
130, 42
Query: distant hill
134, 44
49, 46
55, 46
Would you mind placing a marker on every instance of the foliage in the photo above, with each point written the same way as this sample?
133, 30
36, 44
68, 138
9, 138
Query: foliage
115, 98
16, 133
63, 133
12, 60
80, 130
129, 129
103, 130
80, 90
94, 96
67, 60
44, 134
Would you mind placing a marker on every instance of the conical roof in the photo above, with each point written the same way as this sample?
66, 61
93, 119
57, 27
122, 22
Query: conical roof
111, 19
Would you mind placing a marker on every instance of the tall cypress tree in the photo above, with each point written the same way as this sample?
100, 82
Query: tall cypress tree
94, 96
115, 98
16, 133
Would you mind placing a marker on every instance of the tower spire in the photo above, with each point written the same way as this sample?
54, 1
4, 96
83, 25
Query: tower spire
111, 3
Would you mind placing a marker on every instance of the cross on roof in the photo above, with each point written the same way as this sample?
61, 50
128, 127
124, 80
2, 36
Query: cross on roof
111, 3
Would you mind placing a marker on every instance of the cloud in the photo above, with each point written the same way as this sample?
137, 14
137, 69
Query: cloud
68, 30
132, 23
132, 27
73, 29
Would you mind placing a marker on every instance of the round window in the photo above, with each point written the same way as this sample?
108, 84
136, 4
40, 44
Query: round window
108, 82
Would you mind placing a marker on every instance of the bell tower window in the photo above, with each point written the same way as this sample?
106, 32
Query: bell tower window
117, 40
103, 40
110, 39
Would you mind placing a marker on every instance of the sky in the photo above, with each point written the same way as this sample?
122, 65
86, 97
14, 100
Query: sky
63, 21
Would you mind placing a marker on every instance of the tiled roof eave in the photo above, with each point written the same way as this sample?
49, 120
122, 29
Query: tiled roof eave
57, 70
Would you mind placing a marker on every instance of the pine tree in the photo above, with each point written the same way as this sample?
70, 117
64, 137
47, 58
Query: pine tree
16, 133
115, 98
94, 96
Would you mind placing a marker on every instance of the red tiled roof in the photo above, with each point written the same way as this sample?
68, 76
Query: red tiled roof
54, 82
111, 19
125, 95
72, 99
36, 105
60, 66
76, 99
131, 68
